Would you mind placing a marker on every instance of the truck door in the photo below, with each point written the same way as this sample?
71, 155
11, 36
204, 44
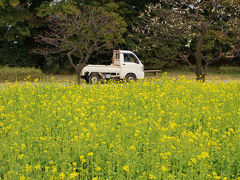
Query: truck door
131, 64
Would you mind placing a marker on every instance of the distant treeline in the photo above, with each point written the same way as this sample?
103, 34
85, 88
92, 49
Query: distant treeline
22, 21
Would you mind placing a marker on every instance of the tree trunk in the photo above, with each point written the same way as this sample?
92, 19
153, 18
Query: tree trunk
198, 56
69, 55
79, 70
81, 66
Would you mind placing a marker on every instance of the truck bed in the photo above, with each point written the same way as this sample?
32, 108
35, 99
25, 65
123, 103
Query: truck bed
102, 68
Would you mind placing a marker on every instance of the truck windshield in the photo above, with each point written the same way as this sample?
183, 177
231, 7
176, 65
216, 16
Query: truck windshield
130, 58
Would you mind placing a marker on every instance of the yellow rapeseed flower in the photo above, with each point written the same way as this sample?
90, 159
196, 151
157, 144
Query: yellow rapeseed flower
74, 164
98, 168
125, 168
151, 176
20, 156
62, 175
54, 169
90, 154
133, 148
28, 168
37, 167
164, 168
203, 155
23, 146
46, 168
194, 160
22, 177
73, 175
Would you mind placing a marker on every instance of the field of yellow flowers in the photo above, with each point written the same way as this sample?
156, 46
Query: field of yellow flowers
154, 129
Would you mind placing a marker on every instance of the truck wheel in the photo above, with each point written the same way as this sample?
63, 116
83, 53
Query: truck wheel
94, 79
131, 77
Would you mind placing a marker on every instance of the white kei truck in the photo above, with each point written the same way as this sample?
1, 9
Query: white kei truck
125, 65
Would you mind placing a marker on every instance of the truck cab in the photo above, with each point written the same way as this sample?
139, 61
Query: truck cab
125, 65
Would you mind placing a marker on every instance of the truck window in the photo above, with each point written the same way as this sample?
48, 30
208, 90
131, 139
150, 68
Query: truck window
117, 56
130, 58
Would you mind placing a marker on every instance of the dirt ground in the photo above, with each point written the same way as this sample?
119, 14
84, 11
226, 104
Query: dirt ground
177, 75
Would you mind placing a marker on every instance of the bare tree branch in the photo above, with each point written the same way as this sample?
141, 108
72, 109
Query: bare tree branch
88, 30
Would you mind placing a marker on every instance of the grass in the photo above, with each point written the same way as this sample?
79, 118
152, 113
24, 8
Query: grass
13, 74
213, 75
154, 129
30, 74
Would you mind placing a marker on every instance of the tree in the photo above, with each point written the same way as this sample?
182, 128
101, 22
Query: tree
128, 10
158, 50
191, 19
19, 22
19, 17
87, 30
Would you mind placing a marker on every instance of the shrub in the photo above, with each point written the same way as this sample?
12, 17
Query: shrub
19, 55
230, 69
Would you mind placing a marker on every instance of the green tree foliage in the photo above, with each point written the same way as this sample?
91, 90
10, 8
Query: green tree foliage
18, 24
21, 20
19, 17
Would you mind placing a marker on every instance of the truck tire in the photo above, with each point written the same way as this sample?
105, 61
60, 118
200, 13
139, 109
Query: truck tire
94, 78
131, 77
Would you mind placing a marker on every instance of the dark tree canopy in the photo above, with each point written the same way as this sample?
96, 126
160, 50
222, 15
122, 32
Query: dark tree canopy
162, 31
18, 18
